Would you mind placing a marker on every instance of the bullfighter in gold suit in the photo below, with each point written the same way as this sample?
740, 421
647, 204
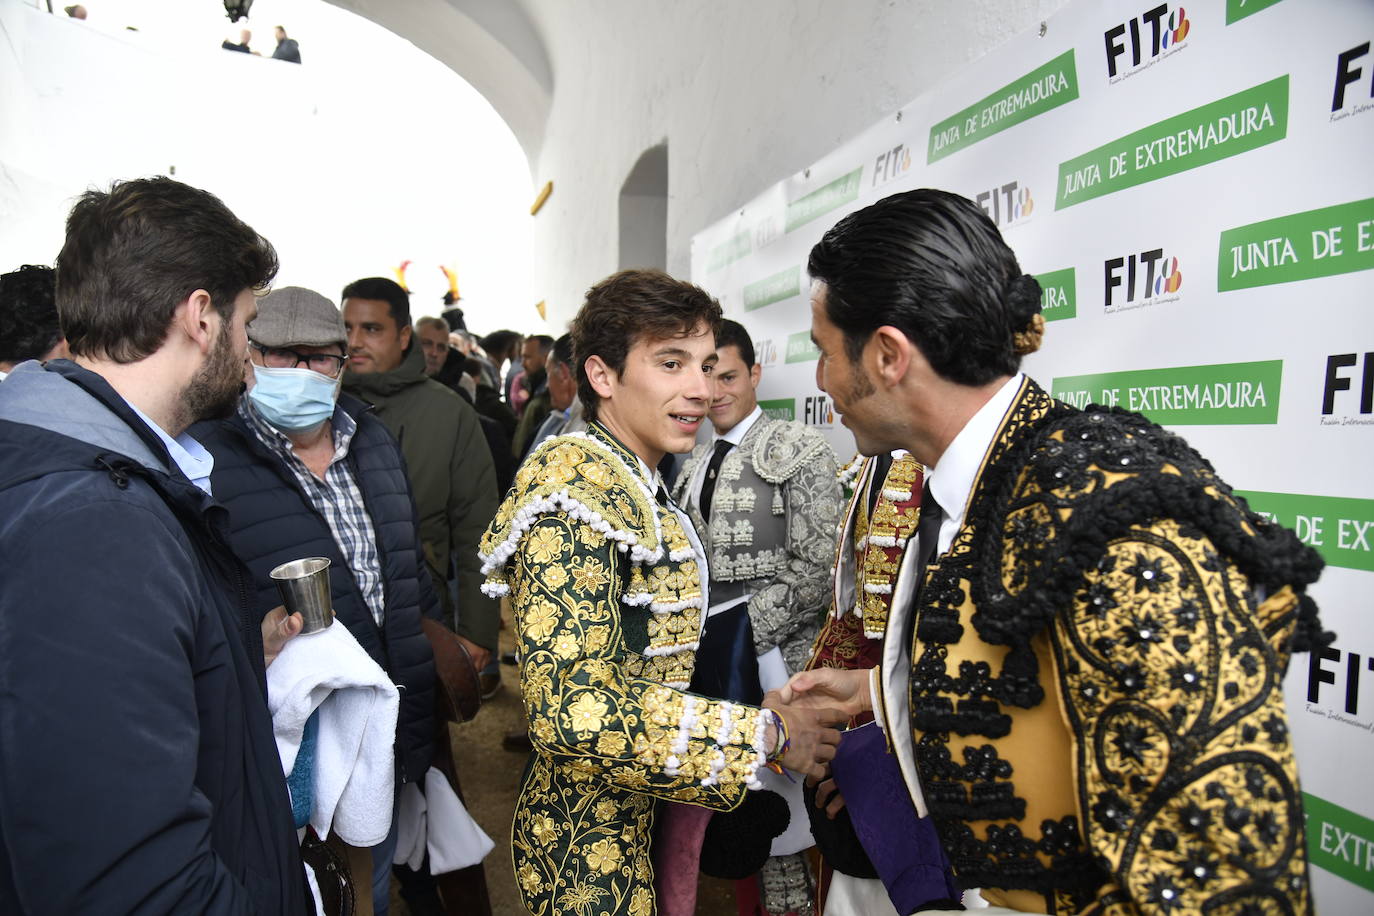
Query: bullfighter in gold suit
607, 581
1082, 682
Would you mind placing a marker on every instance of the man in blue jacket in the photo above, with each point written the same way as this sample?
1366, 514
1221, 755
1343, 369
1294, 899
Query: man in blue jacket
138, 772
306, 472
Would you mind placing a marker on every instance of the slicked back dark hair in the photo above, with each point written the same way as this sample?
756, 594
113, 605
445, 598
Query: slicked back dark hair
733, 334
498, 344
383, 290
134, 253
933, 265
29, 327
545, 342
628, 306
562, 352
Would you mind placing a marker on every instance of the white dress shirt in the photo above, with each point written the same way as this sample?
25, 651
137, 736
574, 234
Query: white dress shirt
951, 483
186, 453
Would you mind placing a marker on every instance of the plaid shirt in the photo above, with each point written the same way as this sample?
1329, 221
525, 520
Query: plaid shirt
336, 497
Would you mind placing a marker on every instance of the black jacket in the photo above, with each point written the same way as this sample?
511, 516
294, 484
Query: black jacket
489, 404
288, 49
138, 772
272, 522
451, 476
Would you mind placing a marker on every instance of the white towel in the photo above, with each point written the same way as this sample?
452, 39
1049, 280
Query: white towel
436, 822
354, 756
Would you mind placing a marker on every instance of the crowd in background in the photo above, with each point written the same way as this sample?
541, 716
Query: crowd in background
380, 444
1053, 638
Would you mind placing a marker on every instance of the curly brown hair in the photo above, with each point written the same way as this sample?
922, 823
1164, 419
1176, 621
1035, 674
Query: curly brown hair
628, 306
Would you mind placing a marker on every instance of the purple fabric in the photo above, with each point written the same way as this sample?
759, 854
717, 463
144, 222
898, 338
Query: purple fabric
902, 846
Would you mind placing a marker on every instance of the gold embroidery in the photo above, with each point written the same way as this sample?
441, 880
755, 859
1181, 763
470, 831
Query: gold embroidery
607, 599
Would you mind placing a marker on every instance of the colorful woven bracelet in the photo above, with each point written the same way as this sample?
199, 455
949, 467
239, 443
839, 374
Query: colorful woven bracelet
781, 746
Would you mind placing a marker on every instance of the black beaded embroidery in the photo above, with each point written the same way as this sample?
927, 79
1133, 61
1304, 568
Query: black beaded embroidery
1034, 542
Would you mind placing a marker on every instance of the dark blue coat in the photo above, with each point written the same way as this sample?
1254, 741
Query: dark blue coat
138, 772
273, 522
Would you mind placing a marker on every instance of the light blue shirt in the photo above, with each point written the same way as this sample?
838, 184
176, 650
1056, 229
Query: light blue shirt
187, 454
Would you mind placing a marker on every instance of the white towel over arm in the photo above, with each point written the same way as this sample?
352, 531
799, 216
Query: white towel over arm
354, 753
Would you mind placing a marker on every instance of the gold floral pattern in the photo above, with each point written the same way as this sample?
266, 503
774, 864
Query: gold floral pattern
882, 541
853, 637
575, 539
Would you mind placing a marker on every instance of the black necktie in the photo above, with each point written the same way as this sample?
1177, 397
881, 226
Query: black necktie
708, 486
927, 532
882, 464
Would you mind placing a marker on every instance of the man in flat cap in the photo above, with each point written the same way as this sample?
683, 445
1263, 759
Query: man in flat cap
306, 471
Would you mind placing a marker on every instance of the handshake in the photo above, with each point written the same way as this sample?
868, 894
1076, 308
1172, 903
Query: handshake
810, 705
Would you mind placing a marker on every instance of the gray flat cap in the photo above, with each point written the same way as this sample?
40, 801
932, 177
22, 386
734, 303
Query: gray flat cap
295, 315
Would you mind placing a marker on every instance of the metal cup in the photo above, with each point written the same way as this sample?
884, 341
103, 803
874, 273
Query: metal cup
304, 586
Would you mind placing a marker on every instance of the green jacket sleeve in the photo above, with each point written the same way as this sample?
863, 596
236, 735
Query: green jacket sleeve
472, 504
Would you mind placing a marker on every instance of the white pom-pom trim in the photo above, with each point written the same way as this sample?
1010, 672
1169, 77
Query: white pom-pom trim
681, 743
669, 607
727, 717
674, 649
537, 506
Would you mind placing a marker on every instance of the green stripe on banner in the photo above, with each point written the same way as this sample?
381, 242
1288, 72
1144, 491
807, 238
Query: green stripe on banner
1058, 294
1341, 528
1221, 394
824, 199
782, 285
1043, 89
728, 251
1236, 10
1236, 124
780, 408
1340, 841
1301, 246
800, 349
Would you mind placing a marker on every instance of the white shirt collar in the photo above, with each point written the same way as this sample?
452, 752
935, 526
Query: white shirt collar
186, 453
737, 432
951, 482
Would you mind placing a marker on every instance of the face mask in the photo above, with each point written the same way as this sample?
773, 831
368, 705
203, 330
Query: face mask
293, 399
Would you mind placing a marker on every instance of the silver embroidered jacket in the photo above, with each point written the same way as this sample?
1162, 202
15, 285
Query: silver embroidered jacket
774, 515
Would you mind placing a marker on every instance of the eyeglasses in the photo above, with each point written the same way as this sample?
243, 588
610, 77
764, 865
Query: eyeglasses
330, 364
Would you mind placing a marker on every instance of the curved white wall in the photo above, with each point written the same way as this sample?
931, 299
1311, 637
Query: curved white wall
744, 93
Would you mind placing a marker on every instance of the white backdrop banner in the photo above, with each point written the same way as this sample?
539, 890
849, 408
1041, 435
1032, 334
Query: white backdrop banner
1193, 190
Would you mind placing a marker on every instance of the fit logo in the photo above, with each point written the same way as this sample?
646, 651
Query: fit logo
1337, 381
1006, 204
1340, 671
1350, 73
1135, 280
1143, 38
890, 164
818, 411
766, 352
